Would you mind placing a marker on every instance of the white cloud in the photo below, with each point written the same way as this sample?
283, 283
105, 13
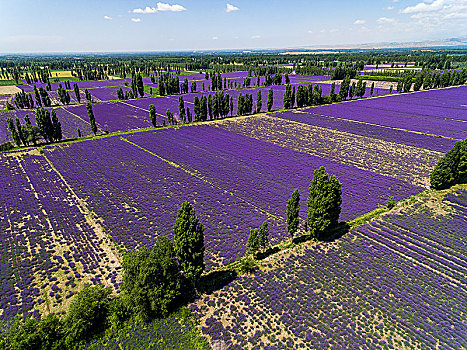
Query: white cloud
107, 17
256, 37
215, 38
310, 32
231, 8
382, 20
424, 7
390, 8
161, 7
136, 20
359, 21
437, 12
334, 30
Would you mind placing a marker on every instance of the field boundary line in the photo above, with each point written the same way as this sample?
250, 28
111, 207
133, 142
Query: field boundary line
382, 126
143, 109
201, 177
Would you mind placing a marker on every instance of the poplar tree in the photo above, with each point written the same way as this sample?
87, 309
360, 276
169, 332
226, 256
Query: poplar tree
189, 242
181, 109
293, 210
152, 115
57, 127
263, 235
324, 203
253, 241
287, 97
13, 132
270, 100
259, 102
92, 119
21, 132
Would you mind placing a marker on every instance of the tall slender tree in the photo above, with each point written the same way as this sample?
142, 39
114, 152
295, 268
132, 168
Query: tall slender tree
92, 119
181, 109
13, 132
293, 210
270, 101
189, 242
324, 203
152, 115
259, 101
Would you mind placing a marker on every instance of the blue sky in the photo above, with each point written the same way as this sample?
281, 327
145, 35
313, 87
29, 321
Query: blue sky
141, 25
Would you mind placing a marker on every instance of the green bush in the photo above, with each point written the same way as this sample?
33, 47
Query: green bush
452, 168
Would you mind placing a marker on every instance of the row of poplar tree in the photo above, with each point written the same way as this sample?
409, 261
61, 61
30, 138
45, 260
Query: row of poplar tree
324, 207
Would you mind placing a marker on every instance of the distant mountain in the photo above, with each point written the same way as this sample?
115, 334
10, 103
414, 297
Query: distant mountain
445, 43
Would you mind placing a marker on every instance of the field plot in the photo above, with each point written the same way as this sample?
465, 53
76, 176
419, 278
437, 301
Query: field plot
397, 283
48, 246
139, 195
161, 104
411, 115
263, 173
114, 116
107, 93
375, 131
409, 164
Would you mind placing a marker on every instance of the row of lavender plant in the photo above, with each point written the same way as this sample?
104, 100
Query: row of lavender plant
139, 196
366, 292
369, 130
44, 235
264, 173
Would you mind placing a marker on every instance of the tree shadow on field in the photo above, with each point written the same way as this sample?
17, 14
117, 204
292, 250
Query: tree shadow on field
216, 280
266, 253
341, 229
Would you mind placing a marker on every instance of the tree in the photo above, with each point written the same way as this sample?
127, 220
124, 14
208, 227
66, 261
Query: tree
13, 132
152, 115
288, 97
87, 314
344, 89
372, 88
170, 116
32, 131
151, 280
324, 203
92, 119
88, 95
44, 123
259, 102
253, 241
22, 133
189, 242
140, 85
56, 126
452, 168
293, 210
263, 235
332, 94
76, 89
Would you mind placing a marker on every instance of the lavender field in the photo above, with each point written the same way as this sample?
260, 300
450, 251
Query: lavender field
70, 211
399, 282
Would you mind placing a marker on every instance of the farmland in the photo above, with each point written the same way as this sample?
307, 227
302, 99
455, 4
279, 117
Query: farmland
74, 207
